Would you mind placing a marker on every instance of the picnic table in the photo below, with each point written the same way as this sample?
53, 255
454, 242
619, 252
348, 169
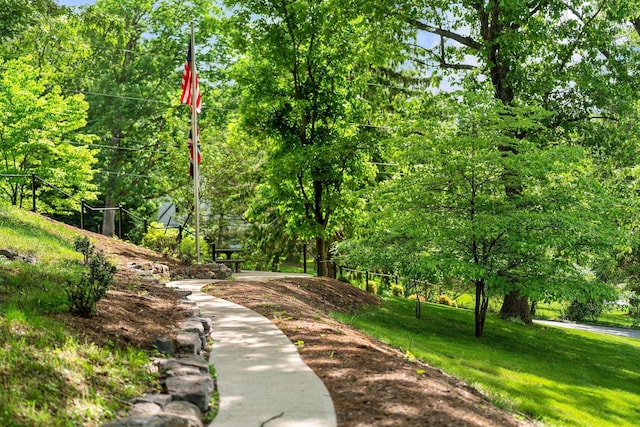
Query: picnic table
234, 263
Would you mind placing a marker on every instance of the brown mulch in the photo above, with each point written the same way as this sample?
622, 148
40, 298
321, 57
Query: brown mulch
136, 310
371, 384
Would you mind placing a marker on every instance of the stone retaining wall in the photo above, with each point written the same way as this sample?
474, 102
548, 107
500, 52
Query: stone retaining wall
187, 385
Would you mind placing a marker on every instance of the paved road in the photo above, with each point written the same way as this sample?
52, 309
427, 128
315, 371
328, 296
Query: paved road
609, 330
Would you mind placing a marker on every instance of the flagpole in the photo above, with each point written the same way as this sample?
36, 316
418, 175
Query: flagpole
195, 140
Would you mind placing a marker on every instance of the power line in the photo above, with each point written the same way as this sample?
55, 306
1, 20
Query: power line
133, 98
125, 174
114, 147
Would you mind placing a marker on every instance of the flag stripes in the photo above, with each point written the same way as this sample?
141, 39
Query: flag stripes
187, 88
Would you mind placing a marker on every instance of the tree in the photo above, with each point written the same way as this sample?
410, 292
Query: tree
303, 66
35, 119
17, 15
139, 49
450, 208
557, 55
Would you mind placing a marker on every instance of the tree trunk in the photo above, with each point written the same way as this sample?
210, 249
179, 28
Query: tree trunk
517, 306
482, 304
109, 219
322, 257
534, 307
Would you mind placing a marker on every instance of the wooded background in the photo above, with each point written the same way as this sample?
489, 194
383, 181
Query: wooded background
475, 143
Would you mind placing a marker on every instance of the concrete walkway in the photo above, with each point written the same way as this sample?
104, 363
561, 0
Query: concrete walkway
262, 380
608, 330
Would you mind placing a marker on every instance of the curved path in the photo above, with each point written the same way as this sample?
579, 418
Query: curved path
262, 381
609, 330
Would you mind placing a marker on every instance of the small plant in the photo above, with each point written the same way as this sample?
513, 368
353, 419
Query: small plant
397, 290
84, 293
85, 247
580, 311
300, 345
445, 300
372, 287
409, 357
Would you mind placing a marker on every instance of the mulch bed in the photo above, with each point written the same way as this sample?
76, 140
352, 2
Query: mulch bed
371, 384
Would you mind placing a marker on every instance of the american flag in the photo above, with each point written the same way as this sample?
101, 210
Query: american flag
187, 90
191, 152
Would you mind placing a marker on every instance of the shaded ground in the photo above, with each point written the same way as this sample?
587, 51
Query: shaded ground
136, 310
370, 383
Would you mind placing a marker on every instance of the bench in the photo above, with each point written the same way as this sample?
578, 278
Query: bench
233, 263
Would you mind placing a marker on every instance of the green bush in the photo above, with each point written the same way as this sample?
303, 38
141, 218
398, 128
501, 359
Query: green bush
161, 239
85, 293
580, 311
165, 241
445, 300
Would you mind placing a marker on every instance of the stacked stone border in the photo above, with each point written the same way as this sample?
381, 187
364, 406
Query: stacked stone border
185, 377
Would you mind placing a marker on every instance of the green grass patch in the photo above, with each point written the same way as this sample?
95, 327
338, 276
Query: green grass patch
617, 317
298, 268
26, 233
47, 375
610, 317
49, 378
560, 377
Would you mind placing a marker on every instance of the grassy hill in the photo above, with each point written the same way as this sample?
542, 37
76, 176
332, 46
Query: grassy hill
557, 376
60, 370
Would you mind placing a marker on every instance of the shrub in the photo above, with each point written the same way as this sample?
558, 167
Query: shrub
580, 311
186, 251
445, 300
372, 287
634, 304
161, 239
85, 293
397, 290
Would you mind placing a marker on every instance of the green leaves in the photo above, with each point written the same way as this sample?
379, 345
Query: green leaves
454, 211
303, 71
37, 124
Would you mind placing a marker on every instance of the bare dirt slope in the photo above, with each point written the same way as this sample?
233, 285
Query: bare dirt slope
371, 384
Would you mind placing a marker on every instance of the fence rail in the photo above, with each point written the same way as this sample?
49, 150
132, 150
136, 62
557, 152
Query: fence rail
84, 206
411, 286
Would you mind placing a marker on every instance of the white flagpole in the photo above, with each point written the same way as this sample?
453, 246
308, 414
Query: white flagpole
195, 140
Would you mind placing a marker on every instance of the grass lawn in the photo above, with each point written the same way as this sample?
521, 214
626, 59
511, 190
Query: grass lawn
553, 311
559, 377
298, 268
48, 377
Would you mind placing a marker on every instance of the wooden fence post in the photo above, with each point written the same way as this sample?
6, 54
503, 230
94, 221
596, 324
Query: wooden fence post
304, 257
82, 214
120, 221
33, 190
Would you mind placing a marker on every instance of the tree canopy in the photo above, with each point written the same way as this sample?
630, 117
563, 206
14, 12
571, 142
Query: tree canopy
492, 144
